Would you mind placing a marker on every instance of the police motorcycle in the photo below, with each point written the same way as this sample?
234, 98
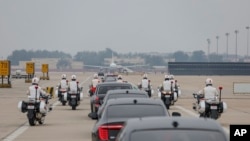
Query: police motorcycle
61, 93
176, 86
168, 97
145, 85
36, 109
147, 89
211, 108
74, 97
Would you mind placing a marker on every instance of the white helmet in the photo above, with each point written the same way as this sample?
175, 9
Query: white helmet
64, 76
35, 80
167, 76
209, 81
171, 76
73, 77
95, 75
119, 77
145, 76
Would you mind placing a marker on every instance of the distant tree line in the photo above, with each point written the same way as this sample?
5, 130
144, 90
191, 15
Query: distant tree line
24, 55
97, 58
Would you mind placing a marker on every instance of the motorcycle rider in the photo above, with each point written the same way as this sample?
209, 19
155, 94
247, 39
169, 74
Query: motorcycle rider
145, 84
208, 93
119, 78
166, 86
73, 85
92, 87
63, 84
35, 92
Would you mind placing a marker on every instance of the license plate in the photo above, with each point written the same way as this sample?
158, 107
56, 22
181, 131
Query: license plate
73, 96
213, 107
31, 107
167, 95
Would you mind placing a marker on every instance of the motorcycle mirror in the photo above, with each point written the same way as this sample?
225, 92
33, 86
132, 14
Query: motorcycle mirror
195, 95
220, 88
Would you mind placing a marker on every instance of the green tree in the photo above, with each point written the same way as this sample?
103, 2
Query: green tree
23, 55
180, 56
63, 63
154, 60
198, 56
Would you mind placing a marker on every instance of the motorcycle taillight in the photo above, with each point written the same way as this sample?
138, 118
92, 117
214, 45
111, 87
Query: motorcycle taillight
103, 131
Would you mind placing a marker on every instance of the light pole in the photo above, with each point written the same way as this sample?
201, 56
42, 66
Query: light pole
227, 34
236, 32
208, 48
217, 38
247, 40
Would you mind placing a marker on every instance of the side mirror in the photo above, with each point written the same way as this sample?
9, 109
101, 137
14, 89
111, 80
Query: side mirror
195, 95
176, 114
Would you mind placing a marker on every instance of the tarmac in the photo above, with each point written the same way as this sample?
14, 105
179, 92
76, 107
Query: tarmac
64, 124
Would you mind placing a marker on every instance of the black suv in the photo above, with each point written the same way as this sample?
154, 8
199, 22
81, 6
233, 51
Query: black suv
100, 92
172, 129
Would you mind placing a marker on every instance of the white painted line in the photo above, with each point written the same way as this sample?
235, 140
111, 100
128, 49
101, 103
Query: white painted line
85, 80
195, 115
18, 132
55, 104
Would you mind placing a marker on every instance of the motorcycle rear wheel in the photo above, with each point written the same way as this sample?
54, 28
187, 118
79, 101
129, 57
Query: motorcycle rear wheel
214, 114
64, 103
32, 121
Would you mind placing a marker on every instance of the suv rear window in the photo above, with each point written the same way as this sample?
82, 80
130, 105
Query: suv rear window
105, 89
177, 135
137, 110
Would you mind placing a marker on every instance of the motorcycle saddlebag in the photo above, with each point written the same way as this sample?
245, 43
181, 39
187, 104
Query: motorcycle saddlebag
175, 96
81, 96
22, 106
42, 107
222, 107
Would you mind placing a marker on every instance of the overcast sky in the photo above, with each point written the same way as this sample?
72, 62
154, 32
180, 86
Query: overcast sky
122, 25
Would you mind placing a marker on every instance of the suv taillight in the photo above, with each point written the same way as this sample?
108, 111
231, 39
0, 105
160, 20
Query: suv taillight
104, 133
97, 101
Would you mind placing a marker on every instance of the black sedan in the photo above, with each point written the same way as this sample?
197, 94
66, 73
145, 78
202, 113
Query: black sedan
100, 92
126, 93
171, 129
117, 111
